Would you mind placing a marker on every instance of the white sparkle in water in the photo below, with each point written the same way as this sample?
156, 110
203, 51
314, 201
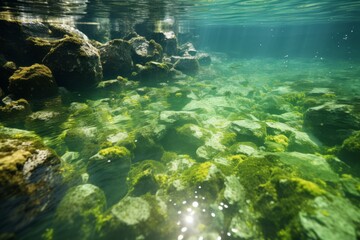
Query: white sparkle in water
180, 237
226, 206
179, 212
201, 238
220, 208
213, 214
184, 202
195, 204
204, 210
229, 234
218, 238
184, 229
199, 187
189, 210
189, 219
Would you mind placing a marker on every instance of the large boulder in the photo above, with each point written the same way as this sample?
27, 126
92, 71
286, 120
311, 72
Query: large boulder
332, 123
187, 49
29, 179
27, 42
33, 82
168, 41
116, 58
144, 51
75, 64
187, 65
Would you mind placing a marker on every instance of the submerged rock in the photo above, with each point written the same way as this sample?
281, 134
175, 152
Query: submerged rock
33, 82
187, 49
79, 212
332, 123
153, 72
330, 218
75, 64
18, 110
144, 51
116, 58
350, 150
249, 130
187, 65
204, 59
108, 170
29, 179
167, 40
138, 218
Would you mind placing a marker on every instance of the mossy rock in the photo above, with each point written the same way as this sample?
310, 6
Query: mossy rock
18, 110
276, 193
350, 150
138, 217
108, 169
29, 179
33, 82
116, 58
79, 213
153, 72
75, 64
146, 177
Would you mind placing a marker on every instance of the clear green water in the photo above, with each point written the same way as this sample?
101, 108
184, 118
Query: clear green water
271, 62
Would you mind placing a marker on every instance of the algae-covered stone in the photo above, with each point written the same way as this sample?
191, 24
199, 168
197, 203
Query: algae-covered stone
350, 149
31, 82
108, 170
144, 51
145, 177
309, 165
153, 72
204, 59
116, 58
178, 117
187, 65
167, 40
79, 213
75, 64
18, 109
39, 120
330, 218
249, 130
138, 218
29, 178
303, 142
332, 123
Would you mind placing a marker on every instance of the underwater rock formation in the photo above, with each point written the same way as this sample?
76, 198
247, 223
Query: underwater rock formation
33, 82
116, 58
168, 41
145, 51
29, 178
75, 64
332, 122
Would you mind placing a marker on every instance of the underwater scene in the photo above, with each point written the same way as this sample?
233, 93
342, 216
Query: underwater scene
185, 120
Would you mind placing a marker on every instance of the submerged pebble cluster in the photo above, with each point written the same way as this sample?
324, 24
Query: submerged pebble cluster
244, 149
